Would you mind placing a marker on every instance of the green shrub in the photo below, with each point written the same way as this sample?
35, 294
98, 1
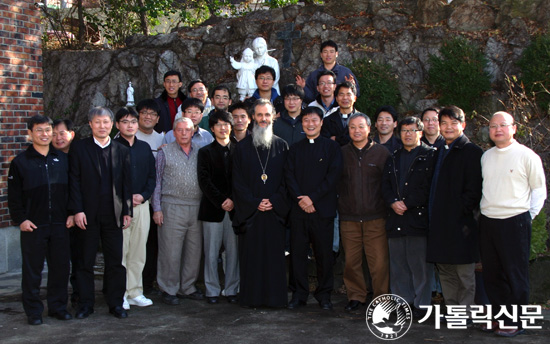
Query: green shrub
459, 75
535, 67
378, 85
539, 235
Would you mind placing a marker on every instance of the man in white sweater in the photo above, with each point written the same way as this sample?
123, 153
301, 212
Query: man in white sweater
514, 190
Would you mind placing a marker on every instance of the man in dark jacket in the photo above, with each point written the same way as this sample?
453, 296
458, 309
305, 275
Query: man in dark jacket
362, 212
216, 209
454, 204
335, 125
169, 101
312, 171
143, 184
289, 124
37, 199
406, 189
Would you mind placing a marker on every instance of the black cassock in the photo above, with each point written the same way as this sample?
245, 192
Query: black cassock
262, 238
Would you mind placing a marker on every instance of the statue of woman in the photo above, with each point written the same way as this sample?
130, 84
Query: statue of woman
130, 95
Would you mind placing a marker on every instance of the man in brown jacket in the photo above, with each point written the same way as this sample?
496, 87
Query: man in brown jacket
362, 212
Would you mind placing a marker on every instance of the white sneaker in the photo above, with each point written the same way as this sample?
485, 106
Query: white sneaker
140, 301
125, 304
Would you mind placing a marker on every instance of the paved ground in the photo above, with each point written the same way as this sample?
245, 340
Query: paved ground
196, 321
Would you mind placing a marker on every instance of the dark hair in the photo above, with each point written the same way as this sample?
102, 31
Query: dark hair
326, 72
221, 88
126, 111
312, 110
346, 84
38, 119
219, 115
239, 105
452, 112
67, 122
150, 104
426, 110
172, 72
193, 82
386, 108
410, 120
329, 43
264, 69
189, 102
293, 90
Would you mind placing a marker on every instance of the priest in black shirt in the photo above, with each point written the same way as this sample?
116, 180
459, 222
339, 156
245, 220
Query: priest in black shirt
261, 207
312, 171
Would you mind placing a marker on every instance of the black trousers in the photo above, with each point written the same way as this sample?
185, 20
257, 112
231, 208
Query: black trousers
73, 235
50, 242
114, 278
149, 275
505, 245
318, 232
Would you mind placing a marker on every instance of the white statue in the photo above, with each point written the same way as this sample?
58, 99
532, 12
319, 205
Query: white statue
130, 95
246, 83
262, 58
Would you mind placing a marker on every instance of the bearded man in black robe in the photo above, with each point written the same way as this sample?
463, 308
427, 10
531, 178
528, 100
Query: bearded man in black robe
261, 208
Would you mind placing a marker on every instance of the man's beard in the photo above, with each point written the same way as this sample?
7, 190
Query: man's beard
262, 137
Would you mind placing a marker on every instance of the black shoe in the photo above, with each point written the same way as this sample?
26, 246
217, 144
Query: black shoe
84, 312
61, 315
296, 303
232, 299
353, 305
151, 291
35, 319
212, 300
325, 305
193, 296
119, 312
170, 299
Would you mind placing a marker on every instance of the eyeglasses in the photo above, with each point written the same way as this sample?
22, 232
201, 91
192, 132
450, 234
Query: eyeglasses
189, 112
265, 78
42, 131
501, 126
148, 114
125, 121
201, 90
327, 83
292, 99
428, 120
409, 131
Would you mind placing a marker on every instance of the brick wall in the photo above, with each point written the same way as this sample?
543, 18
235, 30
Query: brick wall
20, 84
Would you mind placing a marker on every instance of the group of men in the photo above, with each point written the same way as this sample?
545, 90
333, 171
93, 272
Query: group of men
193, 177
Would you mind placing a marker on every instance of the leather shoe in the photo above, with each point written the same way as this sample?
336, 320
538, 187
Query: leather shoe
61, 315
193, 296
485, 328
232, 299
212, 300
325, 305
119, 312
35, 319
509, 332
353, 305
84, 312
170, 299
296, 303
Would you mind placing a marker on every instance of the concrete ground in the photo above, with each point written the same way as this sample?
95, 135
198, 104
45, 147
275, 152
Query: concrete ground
197, 321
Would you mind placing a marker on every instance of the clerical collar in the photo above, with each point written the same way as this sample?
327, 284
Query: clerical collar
312, 140
102, 146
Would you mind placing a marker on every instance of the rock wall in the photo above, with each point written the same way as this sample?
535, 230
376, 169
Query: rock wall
395, 32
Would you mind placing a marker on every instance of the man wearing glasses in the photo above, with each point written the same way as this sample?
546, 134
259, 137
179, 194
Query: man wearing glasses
326, 85
169, 101
289, 125
265, 77
192, 108
406, 190
432, 137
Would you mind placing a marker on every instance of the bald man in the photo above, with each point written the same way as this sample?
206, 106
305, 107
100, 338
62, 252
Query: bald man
514, 190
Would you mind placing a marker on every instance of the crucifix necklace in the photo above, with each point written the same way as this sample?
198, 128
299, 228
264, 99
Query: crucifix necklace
263, 177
